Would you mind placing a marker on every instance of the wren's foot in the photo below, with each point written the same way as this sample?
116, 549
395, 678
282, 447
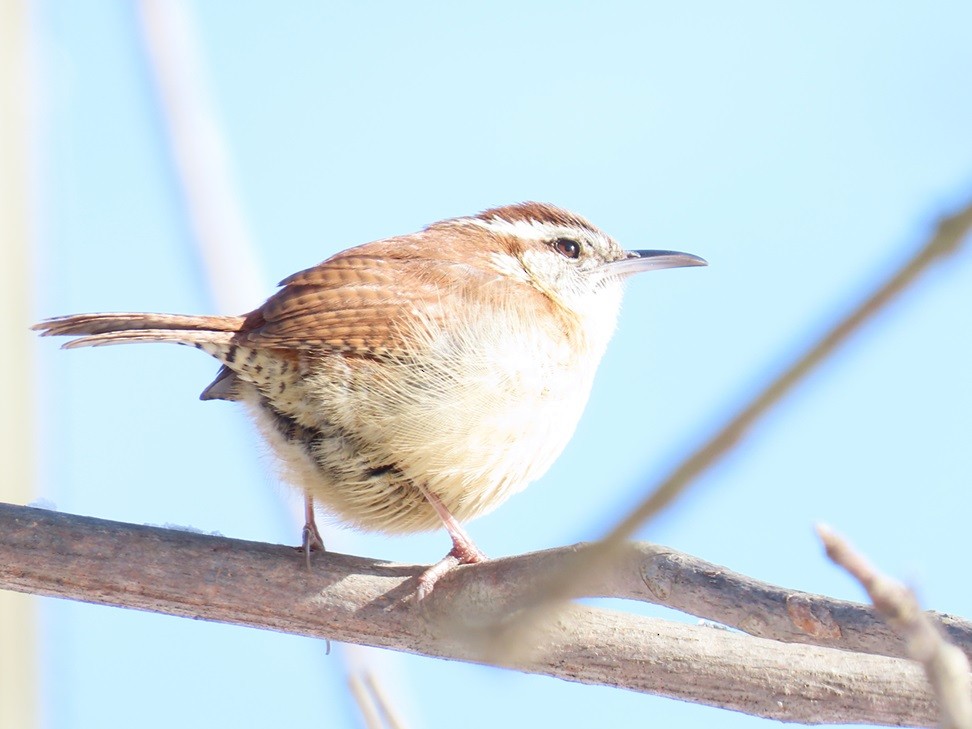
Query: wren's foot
463, 549
465, 553
311, 540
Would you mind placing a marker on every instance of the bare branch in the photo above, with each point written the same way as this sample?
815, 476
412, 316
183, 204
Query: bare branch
663, 576
947, 667
359, 600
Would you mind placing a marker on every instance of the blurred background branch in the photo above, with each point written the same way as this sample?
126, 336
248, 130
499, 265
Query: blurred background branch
945, 665
19, 656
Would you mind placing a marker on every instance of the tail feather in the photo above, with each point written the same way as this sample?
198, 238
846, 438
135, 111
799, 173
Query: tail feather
94, 330
179, 336
77, 324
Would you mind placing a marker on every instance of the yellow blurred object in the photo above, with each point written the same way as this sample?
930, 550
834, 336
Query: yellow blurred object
18, 635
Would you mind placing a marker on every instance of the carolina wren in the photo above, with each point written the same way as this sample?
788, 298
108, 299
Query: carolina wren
419, 380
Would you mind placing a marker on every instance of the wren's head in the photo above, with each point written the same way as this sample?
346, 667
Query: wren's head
568, 259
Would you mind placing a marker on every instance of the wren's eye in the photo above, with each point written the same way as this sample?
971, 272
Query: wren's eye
568, 247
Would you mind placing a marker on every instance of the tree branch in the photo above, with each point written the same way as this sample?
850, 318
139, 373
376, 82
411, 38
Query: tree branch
359, 600
946, 667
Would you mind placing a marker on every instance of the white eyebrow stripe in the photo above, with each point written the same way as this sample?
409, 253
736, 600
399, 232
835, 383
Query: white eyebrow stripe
530, 229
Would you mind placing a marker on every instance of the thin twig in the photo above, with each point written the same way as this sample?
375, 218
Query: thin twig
945, 665
364, 700
379, 695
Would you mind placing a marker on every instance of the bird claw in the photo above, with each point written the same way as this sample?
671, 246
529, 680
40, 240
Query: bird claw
311, 541
466, 553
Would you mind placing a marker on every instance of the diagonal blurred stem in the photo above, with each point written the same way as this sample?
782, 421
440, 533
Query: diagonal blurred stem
200, 156
946, 667
203, 163
568, 583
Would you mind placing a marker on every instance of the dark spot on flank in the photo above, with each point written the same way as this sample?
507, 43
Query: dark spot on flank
288, 427
231, 354
381, 471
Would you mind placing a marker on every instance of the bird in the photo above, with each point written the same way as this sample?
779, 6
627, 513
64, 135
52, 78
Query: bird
418, 381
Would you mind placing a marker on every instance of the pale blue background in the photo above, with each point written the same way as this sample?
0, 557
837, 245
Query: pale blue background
803, 148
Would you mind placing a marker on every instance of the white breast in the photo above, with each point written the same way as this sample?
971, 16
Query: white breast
494, 403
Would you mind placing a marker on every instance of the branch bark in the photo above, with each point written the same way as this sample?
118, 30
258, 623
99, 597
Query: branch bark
359, 600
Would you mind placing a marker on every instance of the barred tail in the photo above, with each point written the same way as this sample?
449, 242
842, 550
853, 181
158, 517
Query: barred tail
94, 330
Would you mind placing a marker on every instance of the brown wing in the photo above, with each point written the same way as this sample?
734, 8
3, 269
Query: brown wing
357, 301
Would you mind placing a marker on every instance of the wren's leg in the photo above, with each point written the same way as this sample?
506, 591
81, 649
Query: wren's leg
463, 550
311, 537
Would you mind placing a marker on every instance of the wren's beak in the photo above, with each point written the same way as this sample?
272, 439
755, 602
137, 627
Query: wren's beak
638, 261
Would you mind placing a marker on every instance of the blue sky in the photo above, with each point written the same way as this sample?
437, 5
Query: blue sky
803, 149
